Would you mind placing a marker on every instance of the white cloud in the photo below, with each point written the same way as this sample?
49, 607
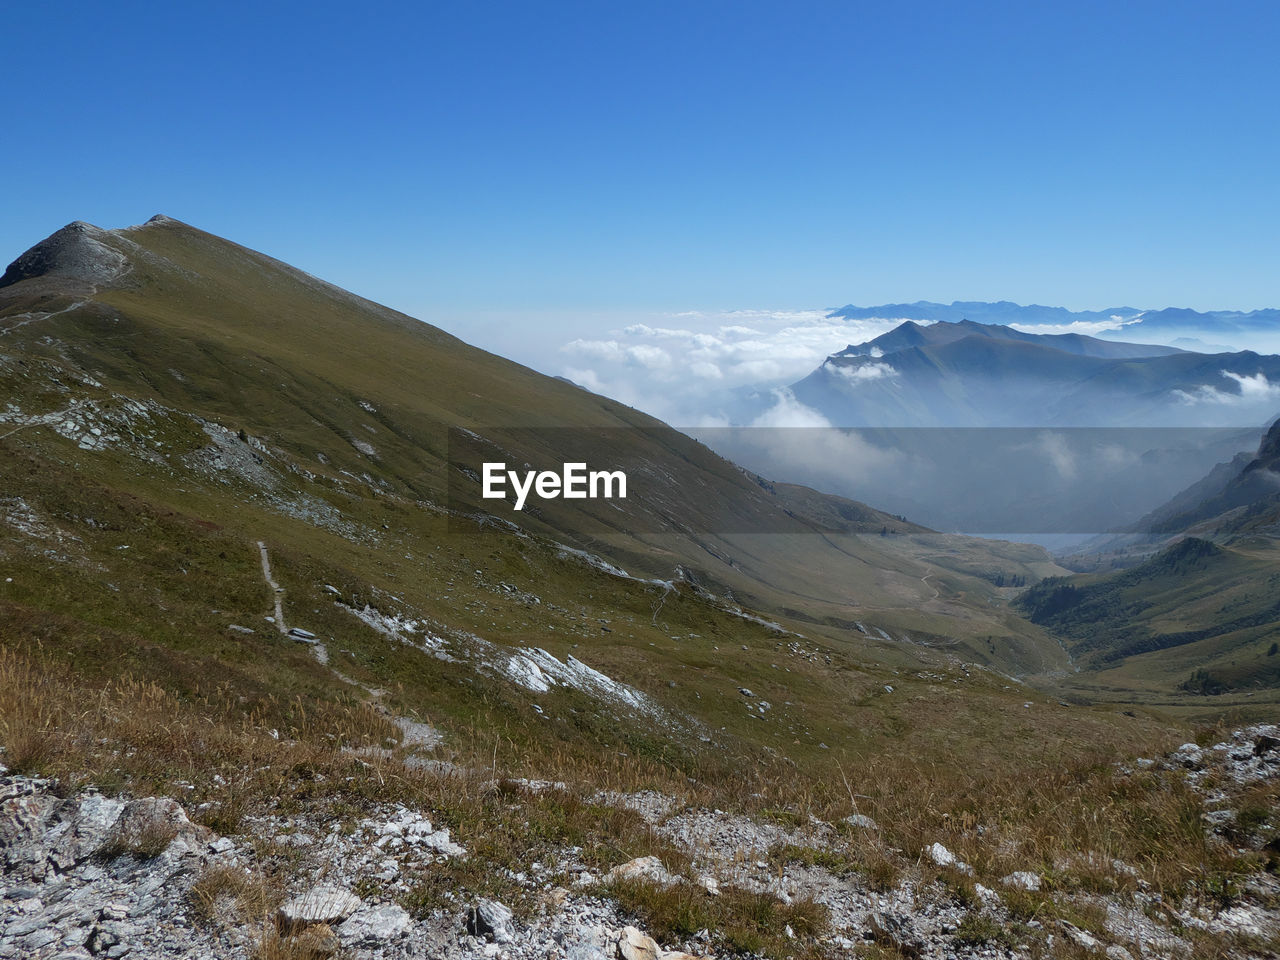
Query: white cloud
692, 366
652, 357
803, 439
1088, 328
1257, 387
862, 372
787, 411
1253, 389
1053, 446
645, 355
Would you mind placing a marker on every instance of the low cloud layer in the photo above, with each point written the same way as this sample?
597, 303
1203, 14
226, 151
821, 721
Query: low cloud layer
863, 372
1086, 328
687, 367
1252, 389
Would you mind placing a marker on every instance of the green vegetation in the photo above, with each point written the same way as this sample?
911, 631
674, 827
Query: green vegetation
1199, 617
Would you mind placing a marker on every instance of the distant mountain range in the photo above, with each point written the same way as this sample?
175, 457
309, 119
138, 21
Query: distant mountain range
969, 374
1168, 319
973, 427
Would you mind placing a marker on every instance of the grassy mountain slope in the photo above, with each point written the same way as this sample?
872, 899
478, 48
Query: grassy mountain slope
188, 398
205, 449
1192, 610
355, 401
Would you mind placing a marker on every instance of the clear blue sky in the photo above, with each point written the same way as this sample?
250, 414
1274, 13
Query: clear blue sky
465, 159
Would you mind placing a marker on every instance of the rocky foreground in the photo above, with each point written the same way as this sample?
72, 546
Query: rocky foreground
90, 875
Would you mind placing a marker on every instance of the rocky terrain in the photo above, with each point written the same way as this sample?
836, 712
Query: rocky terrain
92, 875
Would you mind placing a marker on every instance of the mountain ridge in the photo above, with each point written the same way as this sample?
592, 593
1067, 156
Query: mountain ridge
943, 332
1005, 311
971, 374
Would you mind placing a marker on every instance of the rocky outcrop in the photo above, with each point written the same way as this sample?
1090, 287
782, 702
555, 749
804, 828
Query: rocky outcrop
90, 875
76, 252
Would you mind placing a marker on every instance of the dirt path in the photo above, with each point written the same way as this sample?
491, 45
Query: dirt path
925, 581
277, 592
33, 317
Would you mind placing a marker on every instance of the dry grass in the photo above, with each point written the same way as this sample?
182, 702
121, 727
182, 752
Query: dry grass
1067, 818
316, 942
745, 922
132, 733
225, 894
224, 886
146, 839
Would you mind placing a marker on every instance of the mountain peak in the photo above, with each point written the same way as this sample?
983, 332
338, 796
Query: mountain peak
1268, 457
77, 252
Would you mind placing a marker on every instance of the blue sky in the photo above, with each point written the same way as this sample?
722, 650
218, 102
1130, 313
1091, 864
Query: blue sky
531, 171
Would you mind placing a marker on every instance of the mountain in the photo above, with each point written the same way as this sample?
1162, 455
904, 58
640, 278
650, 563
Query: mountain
1245, 482
971, 374
255, 612
983, 428
911, 334
181, 397
347, 399
1166, 324
1198, 617
1240, 494
1001, 312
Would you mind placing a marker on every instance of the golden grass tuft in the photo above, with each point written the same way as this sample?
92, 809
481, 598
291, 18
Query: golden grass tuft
223, 886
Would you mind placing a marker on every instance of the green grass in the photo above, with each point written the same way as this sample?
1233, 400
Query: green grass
1195, 621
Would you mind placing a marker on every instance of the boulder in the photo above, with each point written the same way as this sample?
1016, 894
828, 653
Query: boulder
1022, 880
945, 858
634, 945
1190, 756
491, 919
1081, 938
643, 868
321, 904
372, 925
942, 856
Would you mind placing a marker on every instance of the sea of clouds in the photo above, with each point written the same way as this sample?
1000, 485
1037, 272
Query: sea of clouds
694, 368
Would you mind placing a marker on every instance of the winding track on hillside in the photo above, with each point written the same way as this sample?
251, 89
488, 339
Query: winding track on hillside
276, 590
36, 316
